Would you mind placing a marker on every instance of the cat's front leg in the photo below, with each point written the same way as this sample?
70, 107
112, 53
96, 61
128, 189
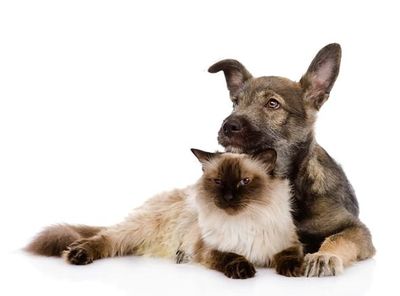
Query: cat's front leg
232, 265
289, 261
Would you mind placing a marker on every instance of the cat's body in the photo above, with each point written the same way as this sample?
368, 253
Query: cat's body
234, 217
257, 233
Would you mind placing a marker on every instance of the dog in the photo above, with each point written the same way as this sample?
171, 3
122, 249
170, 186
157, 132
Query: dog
275, 112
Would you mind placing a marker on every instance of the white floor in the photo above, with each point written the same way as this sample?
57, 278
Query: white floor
147, 276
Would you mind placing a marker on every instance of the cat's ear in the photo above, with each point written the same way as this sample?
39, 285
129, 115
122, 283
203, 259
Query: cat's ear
203, 156
268, 157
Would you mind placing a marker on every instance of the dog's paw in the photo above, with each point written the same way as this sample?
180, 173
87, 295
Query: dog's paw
290, 266
78, 254
322, 264
239, 268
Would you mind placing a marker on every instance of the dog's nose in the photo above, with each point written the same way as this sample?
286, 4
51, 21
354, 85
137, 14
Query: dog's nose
232, 126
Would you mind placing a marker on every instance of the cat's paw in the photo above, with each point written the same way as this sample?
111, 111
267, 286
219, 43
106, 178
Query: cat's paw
291, 266
78, 253
181, 257
239, 268
322, 264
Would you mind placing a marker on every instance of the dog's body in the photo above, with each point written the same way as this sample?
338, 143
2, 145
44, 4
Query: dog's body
275, 112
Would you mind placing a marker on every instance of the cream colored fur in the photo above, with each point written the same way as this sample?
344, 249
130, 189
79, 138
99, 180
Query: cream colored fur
179, 219
258, 232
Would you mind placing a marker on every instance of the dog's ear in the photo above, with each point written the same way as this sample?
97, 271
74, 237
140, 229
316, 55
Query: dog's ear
321, 75
235, 74
204, 156
268, 157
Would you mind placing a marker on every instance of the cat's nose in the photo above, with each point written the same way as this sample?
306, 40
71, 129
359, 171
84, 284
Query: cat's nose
228, 196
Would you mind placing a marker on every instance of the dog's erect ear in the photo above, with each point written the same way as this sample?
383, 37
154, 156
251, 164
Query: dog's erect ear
321, 75
235, 74
268, 157
204, 156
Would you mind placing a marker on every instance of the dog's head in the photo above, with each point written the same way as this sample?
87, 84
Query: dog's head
271, 111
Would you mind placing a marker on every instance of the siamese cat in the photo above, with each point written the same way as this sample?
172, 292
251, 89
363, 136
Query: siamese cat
235, 218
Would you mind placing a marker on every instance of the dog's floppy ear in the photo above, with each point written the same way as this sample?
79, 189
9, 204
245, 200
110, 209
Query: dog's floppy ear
235, 74
321, 75
268, 157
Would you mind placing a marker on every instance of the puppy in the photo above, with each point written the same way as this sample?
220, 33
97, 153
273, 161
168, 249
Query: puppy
275, 112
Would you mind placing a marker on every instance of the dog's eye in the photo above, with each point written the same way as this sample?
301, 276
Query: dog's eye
273, 104
217, 181
244, 181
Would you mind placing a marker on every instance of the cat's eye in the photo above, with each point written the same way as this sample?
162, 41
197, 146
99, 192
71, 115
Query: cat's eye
273, 104
244, 181
217, 181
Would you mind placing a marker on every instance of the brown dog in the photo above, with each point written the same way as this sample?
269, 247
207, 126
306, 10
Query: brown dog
275, 112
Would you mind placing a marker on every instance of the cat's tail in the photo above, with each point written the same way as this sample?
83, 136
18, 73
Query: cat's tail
53, 240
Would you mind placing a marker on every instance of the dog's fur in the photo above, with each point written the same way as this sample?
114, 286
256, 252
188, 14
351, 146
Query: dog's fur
235, 217
275, 112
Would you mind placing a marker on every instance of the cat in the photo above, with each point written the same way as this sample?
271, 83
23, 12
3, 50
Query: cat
235, 218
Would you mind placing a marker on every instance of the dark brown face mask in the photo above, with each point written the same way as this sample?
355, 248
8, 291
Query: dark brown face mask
229, 182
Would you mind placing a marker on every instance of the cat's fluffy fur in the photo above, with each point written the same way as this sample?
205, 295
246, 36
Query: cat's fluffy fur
234, 217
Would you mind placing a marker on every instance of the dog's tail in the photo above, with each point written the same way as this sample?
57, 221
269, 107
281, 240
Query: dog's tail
53, 240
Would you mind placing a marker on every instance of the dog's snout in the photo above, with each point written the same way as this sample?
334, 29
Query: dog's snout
237, 133
232, 125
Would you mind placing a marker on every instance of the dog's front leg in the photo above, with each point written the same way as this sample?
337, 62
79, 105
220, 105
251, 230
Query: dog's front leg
340, 250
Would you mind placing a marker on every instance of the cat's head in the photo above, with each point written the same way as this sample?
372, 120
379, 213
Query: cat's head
233, 182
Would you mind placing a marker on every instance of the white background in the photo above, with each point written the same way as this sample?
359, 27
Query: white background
100, 102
